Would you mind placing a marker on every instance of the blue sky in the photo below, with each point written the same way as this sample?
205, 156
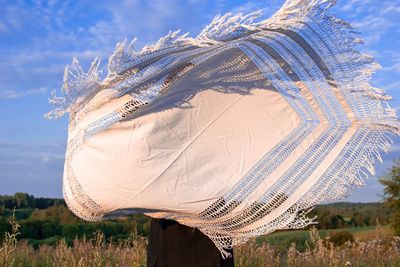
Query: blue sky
38, 38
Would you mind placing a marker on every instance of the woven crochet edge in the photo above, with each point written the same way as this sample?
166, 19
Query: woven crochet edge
383, 124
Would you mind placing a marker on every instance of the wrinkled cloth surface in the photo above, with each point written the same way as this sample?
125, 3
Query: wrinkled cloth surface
237, 132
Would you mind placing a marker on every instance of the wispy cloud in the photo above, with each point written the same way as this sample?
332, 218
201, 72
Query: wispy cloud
392, 86
49, 34
34, 168
373, 18
373, 27
7, 94
395, 67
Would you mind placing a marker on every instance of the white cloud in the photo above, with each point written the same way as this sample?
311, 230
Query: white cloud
355, 7
373, 18
373, 27
55, 32
45, 159
32, 168
390, 8
395, 67
392, 86
8, 94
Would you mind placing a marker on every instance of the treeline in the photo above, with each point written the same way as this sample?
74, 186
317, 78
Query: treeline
345, 214
49, 231
23, 200
46, 220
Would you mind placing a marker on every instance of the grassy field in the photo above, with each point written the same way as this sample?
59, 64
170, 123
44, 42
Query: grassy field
372, 246
283, 239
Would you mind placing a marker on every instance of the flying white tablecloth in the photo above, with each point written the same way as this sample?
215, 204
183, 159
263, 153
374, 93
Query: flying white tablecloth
238, 132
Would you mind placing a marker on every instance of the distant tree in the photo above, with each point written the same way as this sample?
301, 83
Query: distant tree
323, 218
339, 238
337, 221
21, 200
51, 228
9, 202
358, 219
70, 231
391, 182
31, 229
4, 227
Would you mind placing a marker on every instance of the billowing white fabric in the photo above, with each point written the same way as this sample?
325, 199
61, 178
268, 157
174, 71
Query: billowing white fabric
238, 132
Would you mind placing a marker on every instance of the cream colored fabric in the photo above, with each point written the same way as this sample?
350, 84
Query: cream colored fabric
238, 132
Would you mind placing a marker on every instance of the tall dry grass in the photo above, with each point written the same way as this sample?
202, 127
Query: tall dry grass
9, 244
322, 252
382, 251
